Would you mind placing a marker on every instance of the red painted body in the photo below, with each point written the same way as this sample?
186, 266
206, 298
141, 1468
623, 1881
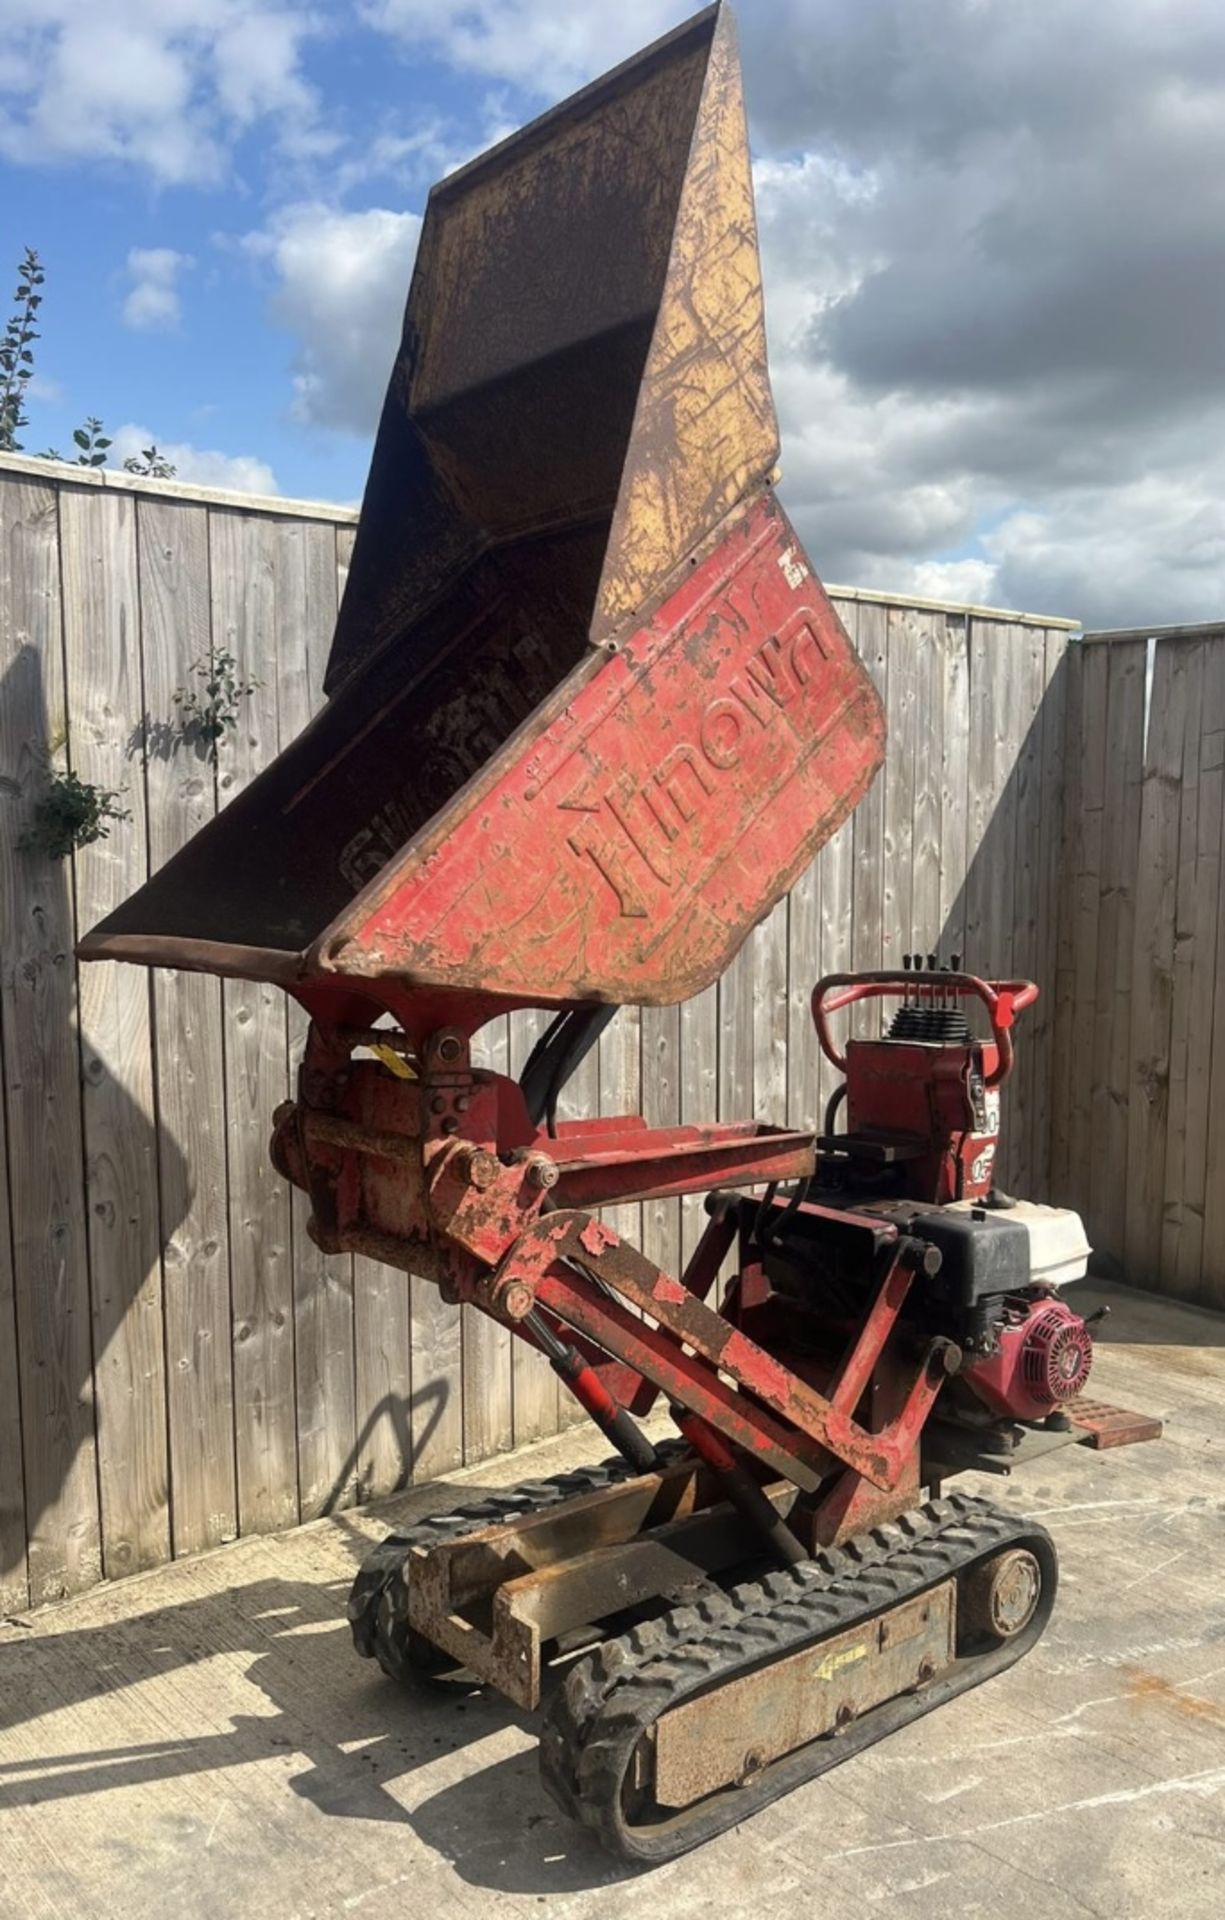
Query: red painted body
445, 1175
594, 863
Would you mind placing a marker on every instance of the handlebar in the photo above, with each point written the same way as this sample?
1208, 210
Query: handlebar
1003, 1000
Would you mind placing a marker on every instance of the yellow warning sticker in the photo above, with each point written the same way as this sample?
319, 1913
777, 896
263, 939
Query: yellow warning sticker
392, 1059
834, 1662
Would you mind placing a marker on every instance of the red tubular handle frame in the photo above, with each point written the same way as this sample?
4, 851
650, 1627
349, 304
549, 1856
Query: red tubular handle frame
1003, 999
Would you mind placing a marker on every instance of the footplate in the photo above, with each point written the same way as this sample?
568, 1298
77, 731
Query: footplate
1100, 1426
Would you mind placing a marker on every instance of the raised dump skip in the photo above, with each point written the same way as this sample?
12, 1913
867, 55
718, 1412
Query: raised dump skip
589, 712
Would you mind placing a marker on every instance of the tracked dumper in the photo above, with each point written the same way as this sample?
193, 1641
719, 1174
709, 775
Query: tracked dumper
590, 714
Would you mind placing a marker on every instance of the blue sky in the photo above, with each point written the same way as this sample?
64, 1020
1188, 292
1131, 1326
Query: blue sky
993, 277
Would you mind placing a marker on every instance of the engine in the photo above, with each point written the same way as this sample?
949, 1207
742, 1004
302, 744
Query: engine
915, 1157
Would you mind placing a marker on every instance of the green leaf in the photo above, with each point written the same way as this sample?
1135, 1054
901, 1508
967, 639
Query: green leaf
80, 437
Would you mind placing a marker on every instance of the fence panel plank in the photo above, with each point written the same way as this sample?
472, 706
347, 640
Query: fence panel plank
1026, 750
324, 1370
580, 1100
620, 1070
246, 564
14, 1570
990, 880
1088, 692
1183, 960
1153, 964
382, 1321
661, 1107
869, 816
899, 932
103, 688
805, 963
1125, 731
953, 639
699, 1091
1199, 1270
489, 1422
383, 1378
42, 1069
181, 785
1040, 1038
928, 642
535, 1385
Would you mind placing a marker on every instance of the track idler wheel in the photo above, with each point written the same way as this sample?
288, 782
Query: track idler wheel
1000, 1598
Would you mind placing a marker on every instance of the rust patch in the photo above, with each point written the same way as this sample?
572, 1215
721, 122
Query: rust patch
1142, 1686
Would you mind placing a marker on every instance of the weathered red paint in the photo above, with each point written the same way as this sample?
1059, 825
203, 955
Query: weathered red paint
592, 863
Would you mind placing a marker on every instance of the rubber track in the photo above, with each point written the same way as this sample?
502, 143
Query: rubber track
378, 1599
614, 1695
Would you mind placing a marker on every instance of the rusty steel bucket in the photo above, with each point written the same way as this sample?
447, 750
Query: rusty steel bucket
589, 712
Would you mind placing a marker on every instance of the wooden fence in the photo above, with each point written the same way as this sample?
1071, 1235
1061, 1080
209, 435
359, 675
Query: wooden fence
1139, 1095
178, 1364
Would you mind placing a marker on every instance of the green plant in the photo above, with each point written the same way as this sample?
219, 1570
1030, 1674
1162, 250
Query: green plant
16, 352
70, 814
92, 442
151, 464
16, 372
208, 705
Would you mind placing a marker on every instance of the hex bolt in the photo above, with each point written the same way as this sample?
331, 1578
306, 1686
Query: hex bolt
439, 1103
541, 1172
462, 1102
450, 1124
514, 1299
480, 1169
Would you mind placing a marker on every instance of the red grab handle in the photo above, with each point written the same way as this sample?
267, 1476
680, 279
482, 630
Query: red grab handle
1003, 999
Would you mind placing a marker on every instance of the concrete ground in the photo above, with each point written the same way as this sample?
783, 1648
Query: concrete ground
202, 1741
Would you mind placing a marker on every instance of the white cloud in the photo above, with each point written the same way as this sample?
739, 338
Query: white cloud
992, 284
1151, 549
968, 583
548, 47
201, 466
166, 86
993, 277
341, 281
152, 301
